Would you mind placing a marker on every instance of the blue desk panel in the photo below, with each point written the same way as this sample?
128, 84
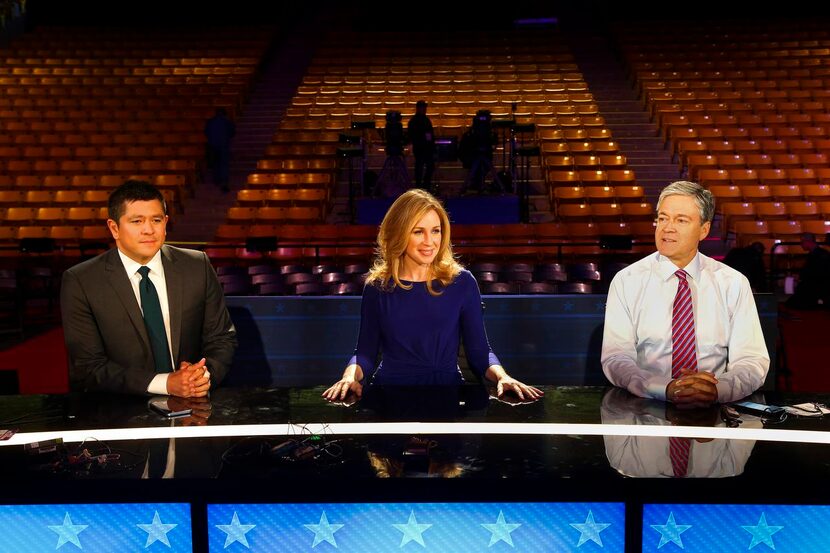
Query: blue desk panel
708, 528
440, 527
101, 527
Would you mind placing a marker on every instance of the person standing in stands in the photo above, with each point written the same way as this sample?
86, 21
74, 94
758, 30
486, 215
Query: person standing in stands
418, 305
219, 131
422, 136
145, 318
813, 289
749, 260
680, 326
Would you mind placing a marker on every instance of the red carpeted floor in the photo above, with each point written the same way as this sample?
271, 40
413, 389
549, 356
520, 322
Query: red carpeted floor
805, 348
40, 363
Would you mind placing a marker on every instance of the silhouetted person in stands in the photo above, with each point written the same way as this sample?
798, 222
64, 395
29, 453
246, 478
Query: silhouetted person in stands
749, 260
219, 130
813, 290
476, 153
423, 145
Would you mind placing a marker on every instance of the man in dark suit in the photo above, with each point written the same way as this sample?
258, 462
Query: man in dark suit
133, 314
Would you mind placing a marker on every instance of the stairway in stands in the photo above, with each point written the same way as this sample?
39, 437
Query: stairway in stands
624, 113
627, 117
281, 72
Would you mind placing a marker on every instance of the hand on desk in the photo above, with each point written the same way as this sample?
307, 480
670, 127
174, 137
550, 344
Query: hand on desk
524, 392
200, 409
343, 390
191, 380
692, 390
511, 398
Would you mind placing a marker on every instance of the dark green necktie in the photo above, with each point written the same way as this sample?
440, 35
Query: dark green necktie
154, 321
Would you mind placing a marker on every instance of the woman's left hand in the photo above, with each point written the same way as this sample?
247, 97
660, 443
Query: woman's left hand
525, 392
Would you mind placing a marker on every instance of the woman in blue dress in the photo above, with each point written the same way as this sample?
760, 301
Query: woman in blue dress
418, 304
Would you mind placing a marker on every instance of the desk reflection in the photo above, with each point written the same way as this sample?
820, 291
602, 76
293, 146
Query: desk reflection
663, 457
152, 458
444, 456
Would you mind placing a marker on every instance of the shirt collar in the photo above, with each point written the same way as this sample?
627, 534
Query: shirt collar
666, 269
132, 266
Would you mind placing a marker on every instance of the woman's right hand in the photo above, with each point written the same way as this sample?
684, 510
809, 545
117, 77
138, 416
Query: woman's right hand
342, 388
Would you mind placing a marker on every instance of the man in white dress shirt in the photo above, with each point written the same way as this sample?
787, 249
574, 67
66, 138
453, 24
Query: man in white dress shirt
724, 355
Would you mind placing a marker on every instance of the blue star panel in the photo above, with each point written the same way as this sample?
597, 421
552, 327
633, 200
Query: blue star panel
441, 527
104, 527
708, 528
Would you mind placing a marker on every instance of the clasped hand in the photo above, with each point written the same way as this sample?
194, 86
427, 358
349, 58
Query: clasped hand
693, 389
191, 380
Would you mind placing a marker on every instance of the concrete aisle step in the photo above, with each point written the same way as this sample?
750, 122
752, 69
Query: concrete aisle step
285, 64
624, 113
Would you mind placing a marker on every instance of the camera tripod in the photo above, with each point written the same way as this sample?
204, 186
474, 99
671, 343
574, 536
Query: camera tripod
480, 169
393, 179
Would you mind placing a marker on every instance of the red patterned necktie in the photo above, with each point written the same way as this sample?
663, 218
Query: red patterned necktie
683, 354
679, 453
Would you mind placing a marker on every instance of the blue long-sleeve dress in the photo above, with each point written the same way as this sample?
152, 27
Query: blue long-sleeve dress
418, 335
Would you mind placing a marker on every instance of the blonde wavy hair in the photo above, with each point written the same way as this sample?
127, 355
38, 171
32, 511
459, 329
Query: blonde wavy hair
393, 238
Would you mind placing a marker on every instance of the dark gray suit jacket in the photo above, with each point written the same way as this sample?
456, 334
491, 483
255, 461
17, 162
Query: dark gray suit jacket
104, 329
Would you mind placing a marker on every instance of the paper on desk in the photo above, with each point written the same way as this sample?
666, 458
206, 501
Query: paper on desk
807, 410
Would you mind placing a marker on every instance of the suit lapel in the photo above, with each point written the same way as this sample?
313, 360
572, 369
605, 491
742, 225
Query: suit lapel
175, 282
117, 278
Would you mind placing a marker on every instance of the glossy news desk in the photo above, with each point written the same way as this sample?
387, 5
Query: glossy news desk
255, 469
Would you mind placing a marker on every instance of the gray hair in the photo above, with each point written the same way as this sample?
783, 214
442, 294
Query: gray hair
703, 198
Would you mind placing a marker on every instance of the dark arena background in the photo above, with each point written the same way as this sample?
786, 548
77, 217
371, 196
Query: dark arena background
556, 124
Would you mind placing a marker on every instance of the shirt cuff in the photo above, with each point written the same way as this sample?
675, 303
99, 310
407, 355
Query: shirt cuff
725, 392
656, 387
158, 386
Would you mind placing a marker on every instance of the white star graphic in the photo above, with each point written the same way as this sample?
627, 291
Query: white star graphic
500, 531
68, 532
412, 530
323, 531
157, 531
670, 532
236, 532
589, 530
762, 533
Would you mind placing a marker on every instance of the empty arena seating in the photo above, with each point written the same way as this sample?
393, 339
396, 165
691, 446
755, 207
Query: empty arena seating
82, 110
529, 76
746, 110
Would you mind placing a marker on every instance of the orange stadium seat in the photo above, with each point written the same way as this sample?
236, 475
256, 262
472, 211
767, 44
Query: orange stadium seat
802, 210
785, 228
754, 228
771, 210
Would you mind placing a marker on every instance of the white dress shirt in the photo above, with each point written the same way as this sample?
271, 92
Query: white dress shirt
157, 386
637, 340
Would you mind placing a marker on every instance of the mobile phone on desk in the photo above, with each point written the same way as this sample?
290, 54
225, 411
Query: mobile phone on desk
161, 407
773, 412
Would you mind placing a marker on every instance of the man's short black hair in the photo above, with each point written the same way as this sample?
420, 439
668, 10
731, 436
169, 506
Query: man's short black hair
129, 192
